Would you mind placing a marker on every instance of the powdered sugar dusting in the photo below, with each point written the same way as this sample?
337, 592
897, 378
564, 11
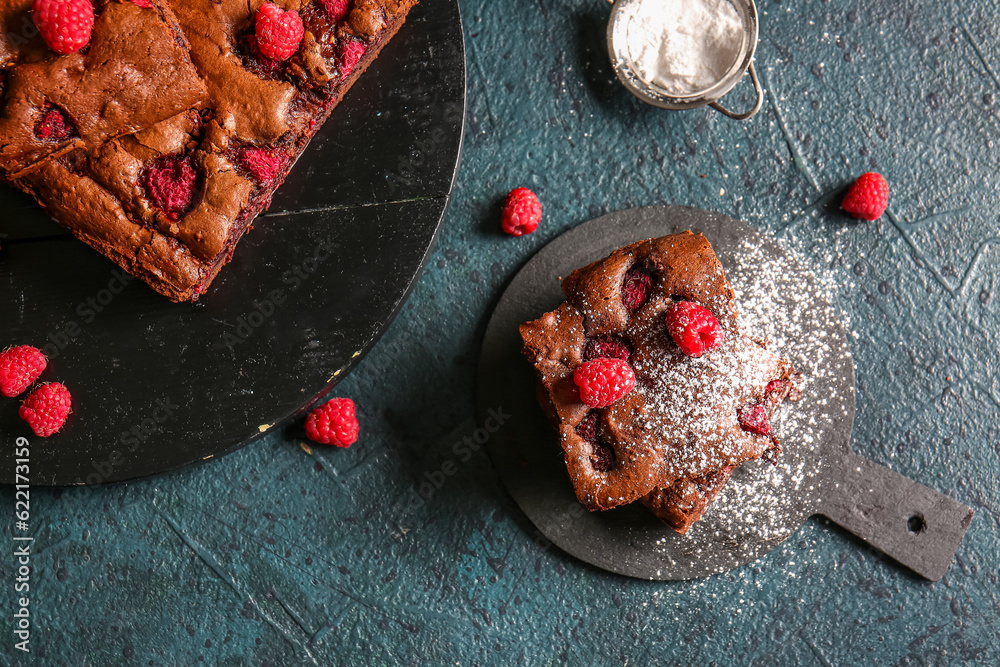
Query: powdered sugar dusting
702, 396
764, 503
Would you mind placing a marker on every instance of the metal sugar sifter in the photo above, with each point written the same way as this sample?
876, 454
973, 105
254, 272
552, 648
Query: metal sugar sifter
628, 73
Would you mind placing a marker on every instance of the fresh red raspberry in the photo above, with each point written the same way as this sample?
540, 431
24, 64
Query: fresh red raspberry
335, 9
19, 367
145, 4
279, 33
754, 419
603, 381
333, 423
350, 55
65, 25
264, 164
54, 125
607, 346
46, 409
171, 184
694, 328
635, 289
521, 212
867, 198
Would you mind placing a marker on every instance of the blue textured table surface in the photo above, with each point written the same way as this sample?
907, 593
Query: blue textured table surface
283, 555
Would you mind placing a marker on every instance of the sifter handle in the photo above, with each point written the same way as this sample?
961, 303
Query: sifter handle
756, 107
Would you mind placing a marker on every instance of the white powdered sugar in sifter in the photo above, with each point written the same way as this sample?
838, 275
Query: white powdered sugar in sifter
683, 54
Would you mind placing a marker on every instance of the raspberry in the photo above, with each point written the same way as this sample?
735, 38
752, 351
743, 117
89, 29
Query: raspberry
335, 9
333, 423
46, 409
754, 419
694, 328
54, 125
261, 65
171, 183
607, 346
635, 289
350, 54
521, 212
603, 381
145, 4
263, 164
587, 428
772, 454
867, 198
65, 25
279, 33
603, 458
775, 392
19, 367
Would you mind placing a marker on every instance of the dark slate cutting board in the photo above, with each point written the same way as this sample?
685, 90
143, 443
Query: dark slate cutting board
158, 385
760, 507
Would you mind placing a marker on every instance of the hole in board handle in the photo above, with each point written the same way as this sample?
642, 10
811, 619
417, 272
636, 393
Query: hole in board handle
916, 524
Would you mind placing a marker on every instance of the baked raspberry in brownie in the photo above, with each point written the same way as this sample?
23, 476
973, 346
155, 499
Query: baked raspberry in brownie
688, 418
173, 200
135, 72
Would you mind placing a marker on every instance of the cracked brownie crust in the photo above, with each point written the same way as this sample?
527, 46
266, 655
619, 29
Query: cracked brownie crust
135, 72
174, 199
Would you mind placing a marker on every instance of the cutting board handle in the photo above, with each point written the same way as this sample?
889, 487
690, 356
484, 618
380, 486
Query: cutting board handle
913, 524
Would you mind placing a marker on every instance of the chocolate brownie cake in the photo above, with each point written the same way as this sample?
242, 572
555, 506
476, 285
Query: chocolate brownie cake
135, 72
675, 437
170, 203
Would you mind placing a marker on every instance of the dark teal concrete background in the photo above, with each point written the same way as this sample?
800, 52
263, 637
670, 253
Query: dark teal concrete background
281, 555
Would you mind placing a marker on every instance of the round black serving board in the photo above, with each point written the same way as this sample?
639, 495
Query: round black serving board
760, 506
158, 385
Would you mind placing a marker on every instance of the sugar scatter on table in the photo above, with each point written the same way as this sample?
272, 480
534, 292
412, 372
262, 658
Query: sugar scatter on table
790, 307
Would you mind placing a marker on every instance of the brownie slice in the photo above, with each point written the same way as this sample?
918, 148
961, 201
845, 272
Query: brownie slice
172, 202
681, 422
684, 502
135, 72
